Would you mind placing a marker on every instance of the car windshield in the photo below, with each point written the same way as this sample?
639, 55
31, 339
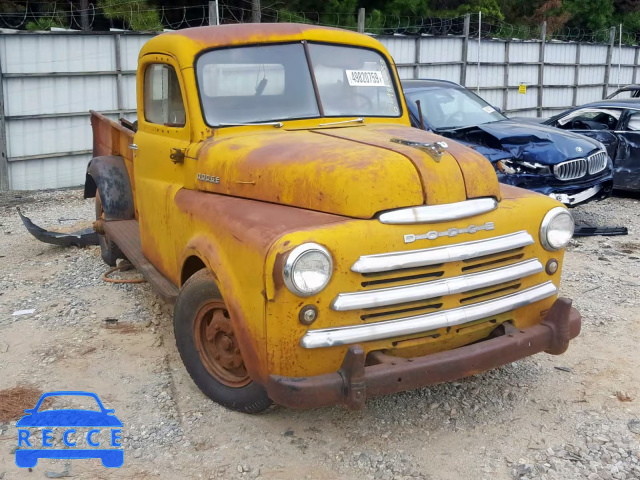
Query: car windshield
448, 108
269, 83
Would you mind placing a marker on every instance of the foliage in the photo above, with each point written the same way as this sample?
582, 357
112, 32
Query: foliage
138, 14
382, 16
489, 8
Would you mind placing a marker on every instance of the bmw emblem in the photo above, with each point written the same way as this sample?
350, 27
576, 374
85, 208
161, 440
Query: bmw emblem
579, 149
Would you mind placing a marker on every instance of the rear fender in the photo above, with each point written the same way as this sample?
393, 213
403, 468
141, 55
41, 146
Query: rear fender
109, 175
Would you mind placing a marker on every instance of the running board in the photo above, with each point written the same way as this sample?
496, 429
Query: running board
126, 234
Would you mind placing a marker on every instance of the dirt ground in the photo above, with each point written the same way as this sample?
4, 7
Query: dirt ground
566, 417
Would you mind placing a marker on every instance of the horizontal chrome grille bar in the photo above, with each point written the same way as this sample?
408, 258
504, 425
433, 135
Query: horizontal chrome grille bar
330, 337
439, 213
436, 288
384, 262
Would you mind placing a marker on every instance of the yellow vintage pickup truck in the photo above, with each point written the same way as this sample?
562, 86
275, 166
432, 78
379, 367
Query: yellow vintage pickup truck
318, 249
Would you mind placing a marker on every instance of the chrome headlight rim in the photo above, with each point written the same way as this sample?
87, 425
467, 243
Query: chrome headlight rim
546, 222
292, 259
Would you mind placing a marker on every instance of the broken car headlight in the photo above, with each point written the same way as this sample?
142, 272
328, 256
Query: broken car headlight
511, 167
308, 269
556, 229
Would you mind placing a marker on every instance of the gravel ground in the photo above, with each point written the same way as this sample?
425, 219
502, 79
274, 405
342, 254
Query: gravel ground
569, 417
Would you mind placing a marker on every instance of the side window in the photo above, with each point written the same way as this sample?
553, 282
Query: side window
634, 122
590, 119
163, 103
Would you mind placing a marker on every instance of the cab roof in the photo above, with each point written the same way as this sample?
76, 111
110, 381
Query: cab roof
185, 45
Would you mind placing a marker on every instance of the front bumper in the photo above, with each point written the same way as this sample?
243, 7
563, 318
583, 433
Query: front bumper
570, 193
385, 374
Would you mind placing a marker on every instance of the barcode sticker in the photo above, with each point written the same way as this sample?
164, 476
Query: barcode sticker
365, 78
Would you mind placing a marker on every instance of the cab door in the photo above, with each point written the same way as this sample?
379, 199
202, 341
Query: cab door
626, 167
161, 143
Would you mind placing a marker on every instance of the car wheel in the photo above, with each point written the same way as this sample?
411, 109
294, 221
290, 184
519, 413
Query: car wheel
109, 251
209, 348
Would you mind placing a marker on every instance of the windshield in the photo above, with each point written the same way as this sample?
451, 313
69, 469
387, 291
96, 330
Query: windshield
447, 108
273, 82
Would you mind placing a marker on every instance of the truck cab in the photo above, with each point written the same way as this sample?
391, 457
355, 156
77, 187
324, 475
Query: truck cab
317, 248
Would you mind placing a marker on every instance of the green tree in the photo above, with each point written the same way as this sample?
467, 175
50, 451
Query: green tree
138, 14
589, 14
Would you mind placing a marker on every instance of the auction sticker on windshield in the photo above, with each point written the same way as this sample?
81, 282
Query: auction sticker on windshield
365, 78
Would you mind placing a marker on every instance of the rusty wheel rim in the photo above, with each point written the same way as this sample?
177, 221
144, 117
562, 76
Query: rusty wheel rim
217, 345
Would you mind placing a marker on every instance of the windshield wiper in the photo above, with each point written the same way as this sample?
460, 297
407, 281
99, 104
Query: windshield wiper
354, 120
275, 124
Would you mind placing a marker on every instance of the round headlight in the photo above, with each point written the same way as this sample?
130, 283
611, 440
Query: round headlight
308, 269
556, 229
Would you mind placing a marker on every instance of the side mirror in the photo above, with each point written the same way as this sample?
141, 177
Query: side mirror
499, 110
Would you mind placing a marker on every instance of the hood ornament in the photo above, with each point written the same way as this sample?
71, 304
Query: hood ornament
435, 149
579, 149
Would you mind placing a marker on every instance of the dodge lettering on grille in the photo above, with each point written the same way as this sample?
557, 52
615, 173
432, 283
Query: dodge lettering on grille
452, 232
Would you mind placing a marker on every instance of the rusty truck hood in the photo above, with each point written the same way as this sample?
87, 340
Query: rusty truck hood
354, 171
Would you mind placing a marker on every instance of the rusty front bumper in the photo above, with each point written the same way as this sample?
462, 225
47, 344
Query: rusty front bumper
354, 381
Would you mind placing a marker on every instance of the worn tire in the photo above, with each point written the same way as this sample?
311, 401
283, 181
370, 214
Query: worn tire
199, 291
109, 251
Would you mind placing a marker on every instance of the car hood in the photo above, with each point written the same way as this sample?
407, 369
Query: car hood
353, 171
69, 418
528, 142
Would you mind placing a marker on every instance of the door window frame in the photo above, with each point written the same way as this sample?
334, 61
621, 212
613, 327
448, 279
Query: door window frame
181, 132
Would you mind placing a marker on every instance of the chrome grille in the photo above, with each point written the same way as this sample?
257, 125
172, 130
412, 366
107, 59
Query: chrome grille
489, 281
597, 162
571, 170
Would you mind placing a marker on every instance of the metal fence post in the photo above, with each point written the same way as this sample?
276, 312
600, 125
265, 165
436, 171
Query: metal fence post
120, 106
607, 70
576, 77
416, 67
213, 13
635, 65
543, 42
361, 20
4, 165
465, 50
479, 45
505, 94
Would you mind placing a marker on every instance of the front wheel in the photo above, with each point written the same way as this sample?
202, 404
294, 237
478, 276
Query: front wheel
209, 348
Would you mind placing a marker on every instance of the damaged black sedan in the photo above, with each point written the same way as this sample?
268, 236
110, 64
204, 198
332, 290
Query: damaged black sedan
566, 166
615, 123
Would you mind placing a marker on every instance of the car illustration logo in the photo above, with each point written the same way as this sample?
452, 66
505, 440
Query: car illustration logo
102, 427
579, 149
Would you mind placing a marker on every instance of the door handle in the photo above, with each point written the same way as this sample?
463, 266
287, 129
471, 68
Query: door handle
177, 155
133, 146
